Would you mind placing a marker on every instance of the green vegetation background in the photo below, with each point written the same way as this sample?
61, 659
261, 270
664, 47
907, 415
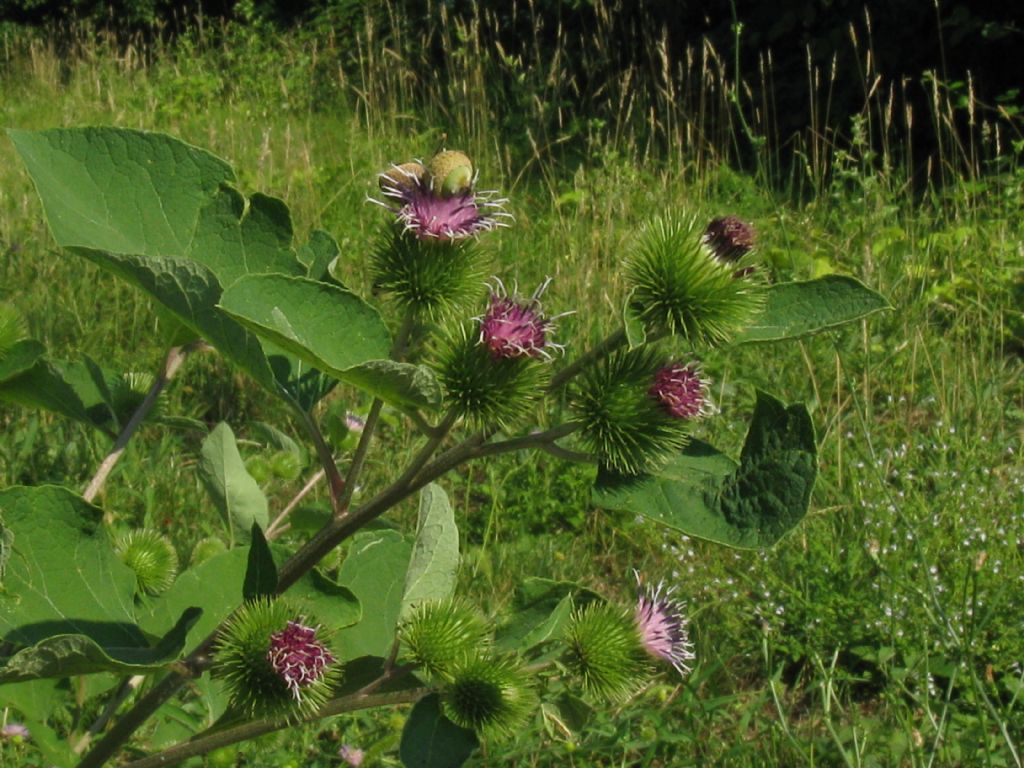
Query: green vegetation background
887, 630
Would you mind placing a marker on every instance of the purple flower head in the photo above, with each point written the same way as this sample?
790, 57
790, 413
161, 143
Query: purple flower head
682, 390
297, 657
430, 215
351, 755
516, 327
14, 731
730, 238
354, 423
663, 625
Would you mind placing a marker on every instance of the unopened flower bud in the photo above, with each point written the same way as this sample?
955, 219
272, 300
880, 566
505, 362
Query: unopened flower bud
451, 173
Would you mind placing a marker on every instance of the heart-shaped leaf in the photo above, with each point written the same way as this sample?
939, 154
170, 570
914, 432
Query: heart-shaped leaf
431, 740
706, 494
800, 309
332, 330
67, 604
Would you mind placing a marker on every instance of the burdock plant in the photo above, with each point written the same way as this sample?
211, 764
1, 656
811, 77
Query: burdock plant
316, 600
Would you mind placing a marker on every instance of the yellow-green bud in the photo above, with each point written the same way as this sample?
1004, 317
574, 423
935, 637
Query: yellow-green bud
404, 177
451, 173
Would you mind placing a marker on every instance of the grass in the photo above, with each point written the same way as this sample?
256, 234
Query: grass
885, 631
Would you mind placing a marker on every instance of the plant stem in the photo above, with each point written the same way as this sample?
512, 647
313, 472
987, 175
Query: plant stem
277, 525
359, 457
204, 744
596, 352
175, 357
344, 525
335, 483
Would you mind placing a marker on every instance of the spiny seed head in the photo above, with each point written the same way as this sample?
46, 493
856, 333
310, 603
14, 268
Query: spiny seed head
679, 286
439, 633
489, 391
151, 556
628, 429
681, 390
604, 650
492, 695
274, 661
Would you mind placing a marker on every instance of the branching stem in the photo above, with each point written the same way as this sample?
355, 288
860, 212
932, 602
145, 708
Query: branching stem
175, 357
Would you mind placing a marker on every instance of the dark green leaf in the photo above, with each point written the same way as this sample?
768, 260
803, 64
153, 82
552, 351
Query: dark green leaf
67, 600
331, 329
44, 386
800, 309
260, 572
705, 494
21, 356
431, 740
65, 655
190, 292
317, 255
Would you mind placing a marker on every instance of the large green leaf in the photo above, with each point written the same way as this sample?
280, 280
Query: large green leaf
190, 292
233, 239
19, 357
375, 571
161, 214
216, 586
800, 309
327, 326
67, 603
46, 386
66, 655
234, 491
431, 740
435, 554
332, 330
706, 494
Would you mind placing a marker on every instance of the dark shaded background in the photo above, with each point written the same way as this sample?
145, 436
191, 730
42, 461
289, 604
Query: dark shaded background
907, 38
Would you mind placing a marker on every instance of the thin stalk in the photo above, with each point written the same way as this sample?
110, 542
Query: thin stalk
359, 457
335, 482
612, 342
251, 730
398, 351
277, 526
175, 357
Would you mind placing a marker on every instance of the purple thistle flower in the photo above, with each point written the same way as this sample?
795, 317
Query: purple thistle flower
351, 755
14, 731
682, 390
297, 657
513, 327
663, 625
730, 238
432, 216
